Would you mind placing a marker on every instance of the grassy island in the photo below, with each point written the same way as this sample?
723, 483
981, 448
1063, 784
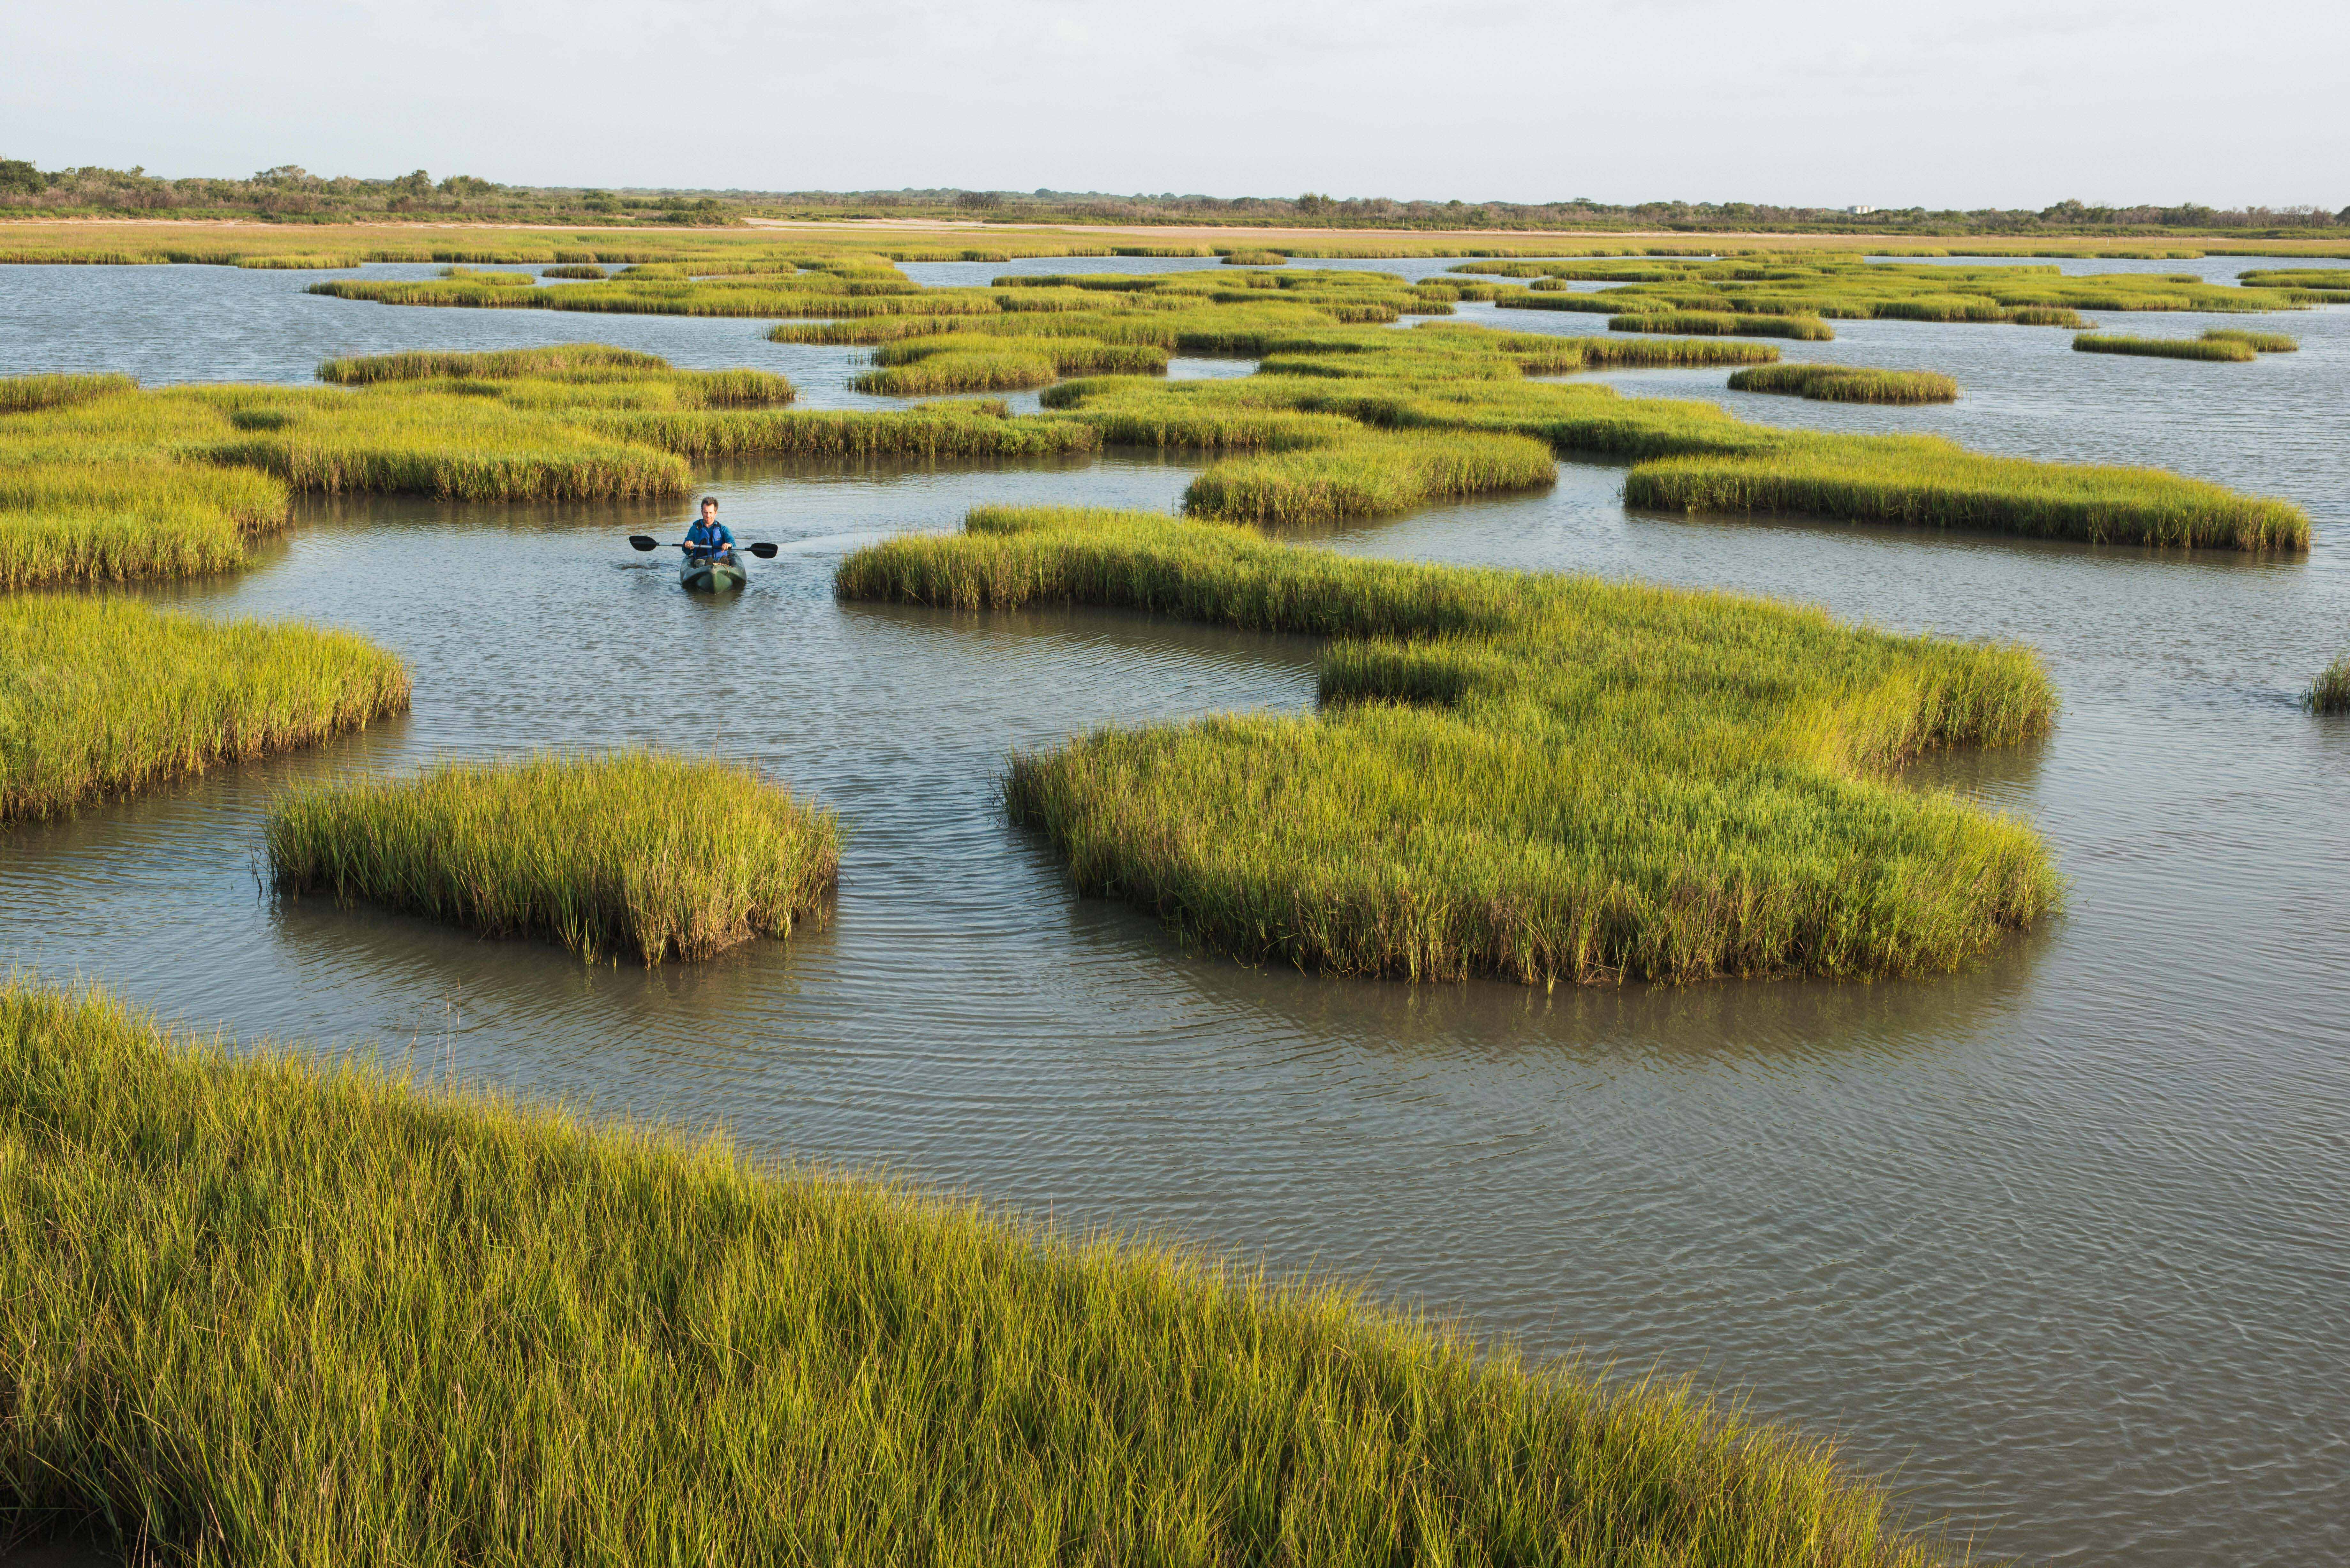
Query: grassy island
1721, 324
644, 853
258, 1309
102, 697
1542, 778
1848, 384
2219, 349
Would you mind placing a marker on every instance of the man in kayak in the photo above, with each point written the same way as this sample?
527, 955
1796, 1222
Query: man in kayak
708, 539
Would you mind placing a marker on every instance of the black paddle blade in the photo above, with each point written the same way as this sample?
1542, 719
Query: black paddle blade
765, 552
642, 542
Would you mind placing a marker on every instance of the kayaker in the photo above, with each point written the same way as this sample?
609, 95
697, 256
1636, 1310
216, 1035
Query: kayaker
708, 539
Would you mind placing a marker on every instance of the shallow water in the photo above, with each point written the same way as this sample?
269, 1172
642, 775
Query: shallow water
2057, 1240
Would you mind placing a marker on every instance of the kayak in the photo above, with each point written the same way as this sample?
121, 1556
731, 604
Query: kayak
710, 577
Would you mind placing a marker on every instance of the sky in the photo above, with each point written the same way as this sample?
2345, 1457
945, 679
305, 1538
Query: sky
1807, 102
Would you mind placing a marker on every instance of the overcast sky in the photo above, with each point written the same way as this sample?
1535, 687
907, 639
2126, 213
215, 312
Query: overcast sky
1828, 102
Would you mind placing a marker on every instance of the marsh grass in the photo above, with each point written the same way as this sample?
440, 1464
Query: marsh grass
2330, 692
446, 444
1809, 328
1846, 287
2259, 342
649, 854
1848, 384
263, 1306
583, 270
937, 431
2214, 349
20, 393
1542, 778
560, 361
123, 516
1368, 476
1631, 353
928, 366
1925, 481
100, 482
105, 696
1693, 456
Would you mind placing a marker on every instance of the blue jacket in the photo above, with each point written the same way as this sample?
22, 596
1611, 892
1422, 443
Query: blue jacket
709, 541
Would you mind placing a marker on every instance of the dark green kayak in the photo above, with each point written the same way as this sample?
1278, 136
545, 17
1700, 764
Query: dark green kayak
711, 577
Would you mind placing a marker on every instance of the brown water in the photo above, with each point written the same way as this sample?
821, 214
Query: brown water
2058, 1242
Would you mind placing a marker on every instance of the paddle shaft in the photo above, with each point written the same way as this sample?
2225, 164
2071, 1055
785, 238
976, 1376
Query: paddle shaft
764, 550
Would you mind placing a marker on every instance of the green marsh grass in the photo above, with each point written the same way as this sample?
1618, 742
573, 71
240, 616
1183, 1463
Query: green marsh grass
100, 482
935, 430
563, 361
1693, 456
928, 366
1375, 475
293, 263
98, 514
1848, 287
1809, 328
644, 853
2311, 286
446, 444
20, 393
1626, 353
585, 270
104, 696
2330, 692
2219, 349
2259, 342
1542, 778
1926, 481
260, 1307
1848, 384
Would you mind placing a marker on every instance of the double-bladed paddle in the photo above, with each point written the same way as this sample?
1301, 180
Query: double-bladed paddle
764, 551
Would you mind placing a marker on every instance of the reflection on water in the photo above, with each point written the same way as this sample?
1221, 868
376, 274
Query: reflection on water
2057, 1239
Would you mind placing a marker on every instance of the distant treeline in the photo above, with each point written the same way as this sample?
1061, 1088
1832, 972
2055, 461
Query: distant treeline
290, 193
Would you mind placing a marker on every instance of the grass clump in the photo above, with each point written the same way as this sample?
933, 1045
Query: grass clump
935, 431
2258, 342
583, 270
1368, 476
1926, 481
960, 362
260, 1308
138, 516
21, 393
102, 697
1542, 778
1848, 384
2219, 349
561, 361
1247, 256
2330, 692
638, 851
1723, 324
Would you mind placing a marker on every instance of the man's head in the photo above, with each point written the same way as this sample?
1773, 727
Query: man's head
710, 509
